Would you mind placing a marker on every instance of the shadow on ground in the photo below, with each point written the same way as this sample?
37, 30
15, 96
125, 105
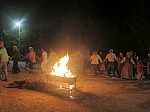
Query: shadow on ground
89, 100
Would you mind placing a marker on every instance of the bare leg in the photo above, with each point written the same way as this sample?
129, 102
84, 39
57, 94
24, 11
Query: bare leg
5, 70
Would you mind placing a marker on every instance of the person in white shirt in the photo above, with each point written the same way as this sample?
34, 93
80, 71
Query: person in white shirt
44, 60
111, 58
95, 58
52, 58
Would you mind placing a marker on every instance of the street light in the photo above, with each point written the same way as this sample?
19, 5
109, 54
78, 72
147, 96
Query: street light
18, 25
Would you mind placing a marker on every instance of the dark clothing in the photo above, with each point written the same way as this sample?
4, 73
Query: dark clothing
16, 59
31, 65
95, 68
119, 66
145, 61
16, 55
27, 63
134, 68
15, 68
111, 68
145, 69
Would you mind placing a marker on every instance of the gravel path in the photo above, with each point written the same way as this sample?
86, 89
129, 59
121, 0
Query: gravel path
93, 94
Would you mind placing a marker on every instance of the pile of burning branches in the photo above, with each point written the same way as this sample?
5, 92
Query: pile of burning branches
36, 84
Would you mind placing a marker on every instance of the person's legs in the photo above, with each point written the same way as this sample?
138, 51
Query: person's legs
31, 65
27, 64
134, 71
18, 70
1, 75
42, 66
95, 69
120, 69
113, 69
15, 67
91, 68
108, 69
5, 70
45, 65
130, 72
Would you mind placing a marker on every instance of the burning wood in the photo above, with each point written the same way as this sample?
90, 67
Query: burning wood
70, 81
61, 73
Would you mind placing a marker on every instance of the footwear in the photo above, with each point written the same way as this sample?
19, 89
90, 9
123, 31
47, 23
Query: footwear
14, 72
106, 76
114, 77
18, 71
4, 79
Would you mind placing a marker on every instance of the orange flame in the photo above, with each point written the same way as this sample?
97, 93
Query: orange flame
61, 69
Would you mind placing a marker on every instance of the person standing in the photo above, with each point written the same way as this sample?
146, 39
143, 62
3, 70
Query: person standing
31, 56
16, 58
44, 60
135, 59
139, 69
111, 58
95, 58
146, 68
101, 65
119, 64
127, 71
52, 58
3, 60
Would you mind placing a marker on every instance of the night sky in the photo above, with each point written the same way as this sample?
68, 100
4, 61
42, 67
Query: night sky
96, 24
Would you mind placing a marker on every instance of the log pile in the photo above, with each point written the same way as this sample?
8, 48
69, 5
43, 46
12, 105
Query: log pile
29, 84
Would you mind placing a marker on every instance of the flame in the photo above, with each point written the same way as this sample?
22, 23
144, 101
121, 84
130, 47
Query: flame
71, 86
61, 69
71, 97
60, 86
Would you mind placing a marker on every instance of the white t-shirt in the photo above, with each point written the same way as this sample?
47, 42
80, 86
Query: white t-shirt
44, 56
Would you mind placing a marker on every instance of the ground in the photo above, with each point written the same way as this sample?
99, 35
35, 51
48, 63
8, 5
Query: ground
93, 94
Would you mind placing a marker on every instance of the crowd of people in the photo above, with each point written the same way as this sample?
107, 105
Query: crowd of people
125, 67
30, 58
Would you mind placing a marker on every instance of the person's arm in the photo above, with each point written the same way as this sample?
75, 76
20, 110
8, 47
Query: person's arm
16, 54
22, 55
123, 60
105, 58
100, 58
12, 57
27, 56
115, 57
132, 61
91, 57
37, 56
8, 56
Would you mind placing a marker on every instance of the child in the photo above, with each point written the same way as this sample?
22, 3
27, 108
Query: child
139, 70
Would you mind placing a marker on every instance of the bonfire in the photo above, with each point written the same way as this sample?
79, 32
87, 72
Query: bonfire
61, 73
61, 69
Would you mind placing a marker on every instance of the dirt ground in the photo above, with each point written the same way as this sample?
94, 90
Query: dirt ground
93, 94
